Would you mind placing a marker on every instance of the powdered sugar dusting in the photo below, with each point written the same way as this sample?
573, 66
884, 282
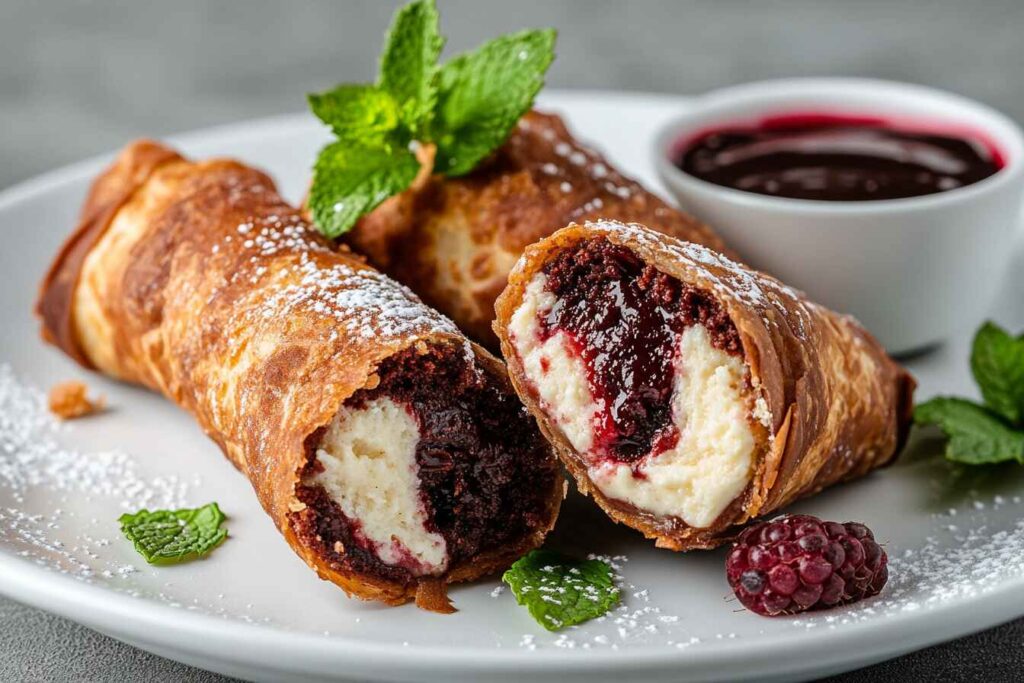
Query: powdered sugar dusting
635, 620
60, 506
271, 234
959, 557
364, 302
570, 160
32, 459
962, 552
30, 456
735, 282
954, 562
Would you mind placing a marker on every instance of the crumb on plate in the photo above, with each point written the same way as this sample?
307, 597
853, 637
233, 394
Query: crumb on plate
70, 400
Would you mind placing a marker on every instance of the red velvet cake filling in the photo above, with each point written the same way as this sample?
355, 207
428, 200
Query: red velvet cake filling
485, 471
624, 318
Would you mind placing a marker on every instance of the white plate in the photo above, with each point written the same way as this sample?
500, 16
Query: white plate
254, 610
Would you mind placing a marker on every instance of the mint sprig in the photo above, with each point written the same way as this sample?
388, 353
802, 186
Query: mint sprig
171, 536
560, 591
997, 361
360, 114
484, 93
408, 65
991, 432
465, 109
350, 180
976, 435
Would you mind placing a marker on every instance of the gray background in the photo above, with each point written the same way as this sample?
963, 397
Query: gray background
79, 78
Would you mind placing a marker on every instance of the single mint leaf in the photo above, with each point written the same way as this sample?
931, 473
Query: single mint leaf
362, 114
997, 361
350, 180
173, 536
560, 591
976, 436
484, 93
408, 65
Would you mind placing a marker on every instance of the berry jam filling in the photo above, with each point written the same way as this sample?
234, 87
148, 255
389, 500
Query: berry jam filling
485, 472
624, 318
839, 158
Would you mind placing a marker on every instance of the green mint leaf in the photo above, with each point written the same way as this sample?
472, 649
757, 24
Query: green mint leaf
484, 93
350, 180
362, 114
467, 109
173, 536
976, 436
408, 65
997, 361
560, 591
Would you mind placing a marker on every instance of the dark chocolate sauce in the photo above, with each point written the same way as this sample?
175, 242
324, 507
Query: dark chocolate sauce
837, 158
485, 471
625, 318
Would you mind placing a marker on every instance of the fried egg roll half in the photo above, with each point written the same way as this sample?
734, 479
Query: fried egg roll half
454, 240
391, 452
688, 393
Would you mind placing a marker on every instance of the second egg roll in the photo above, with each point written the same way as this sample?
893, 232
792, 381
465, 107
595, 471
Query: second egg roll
453, 241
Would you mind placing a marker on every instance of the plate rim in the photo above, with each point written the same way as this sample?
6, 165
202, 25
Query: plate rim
212, 638
118, 614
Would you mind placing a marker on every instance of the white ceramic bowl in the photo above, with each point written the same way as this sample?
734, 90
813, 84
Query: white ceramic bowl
912, 270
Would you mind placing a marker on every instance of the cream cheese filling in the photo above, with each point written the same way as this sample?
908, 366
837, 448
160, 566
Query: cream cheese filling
368, 456
554, 369
712, 461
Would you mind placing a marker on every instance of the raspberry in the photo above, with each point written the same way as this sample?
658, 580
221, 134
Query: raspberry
798, 563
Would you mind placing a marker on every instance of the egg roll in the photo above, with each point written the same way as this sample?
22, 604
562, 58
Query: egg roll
688, 393
390, 451
454, 240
